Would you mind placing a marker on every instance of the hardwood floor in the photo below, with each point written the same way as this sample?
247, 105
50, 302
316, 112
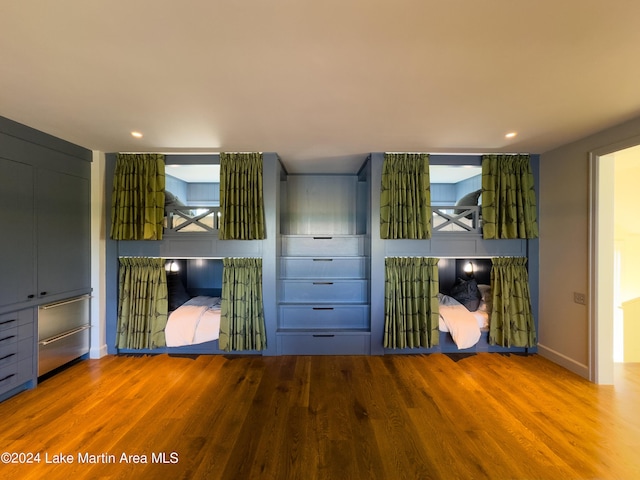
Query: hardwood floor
392, 417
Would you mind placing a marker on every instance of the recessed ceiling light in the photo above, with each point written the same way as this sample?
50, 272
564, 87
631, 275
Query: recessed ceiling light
136, 134
511, 134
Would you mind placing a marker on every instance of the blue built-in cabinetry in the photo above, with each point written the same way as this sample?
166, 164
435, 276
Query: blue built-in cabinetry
323, 304
45, 245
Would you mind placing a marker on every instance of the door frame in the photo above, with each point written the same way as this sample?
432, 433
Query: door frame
601, 261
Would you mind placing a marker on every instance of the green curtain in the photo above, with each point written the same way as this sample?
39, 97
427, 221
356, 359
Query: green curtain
405, 196
508, 197
511, 322
241, 312
142, 303
137, 201
241, 201
411, 311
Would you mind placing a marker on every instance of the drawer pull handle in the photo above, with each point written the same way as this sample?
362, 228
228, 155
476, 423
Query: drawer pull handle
7, 377
322, 238
323, 308
7, 356
323, 283
7, 338
31, 296
49, 340
322, 336
7, 321
65, 302
323, 259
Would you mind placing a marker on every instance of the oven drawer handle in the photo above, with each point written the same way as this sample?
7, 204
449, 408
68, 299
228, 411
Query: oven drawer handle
65, 302
63, 335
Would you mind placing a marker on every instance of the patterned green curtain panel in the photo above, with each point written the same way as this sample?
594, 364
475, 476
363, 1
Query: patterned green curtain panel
137, 201
142, 303
241, 311
241, 201
511, 322
405, 196
411, 310
508, 197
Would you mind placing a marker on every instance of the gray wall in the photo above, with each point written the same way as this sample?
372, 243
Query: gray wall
564, 246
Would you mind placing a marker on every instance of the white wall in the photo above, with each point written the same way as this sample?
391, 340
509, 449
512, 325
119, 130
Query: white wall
98, 255
564, 246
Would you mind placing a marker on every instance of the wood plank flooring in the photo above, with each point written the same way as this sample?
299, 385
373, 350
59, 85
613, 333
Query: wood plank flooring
393, 417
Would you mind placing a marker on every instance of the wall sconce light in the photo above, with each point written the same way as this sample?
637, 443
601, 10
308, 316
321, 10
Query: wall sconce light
172, 266
468, 269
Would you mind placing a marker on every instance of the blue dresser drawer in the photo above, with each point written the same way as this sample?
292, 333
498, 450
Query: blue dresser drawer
323, 267
324, 316
331, 246
329, 291
315, 343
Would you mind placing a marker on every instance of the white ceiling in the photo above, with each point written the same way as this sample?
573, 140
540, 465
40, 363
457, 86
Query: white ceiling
322, 83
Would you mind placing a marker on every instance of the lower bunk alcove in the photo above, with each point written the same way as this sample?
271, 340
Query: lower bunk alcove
194, 291
456, 273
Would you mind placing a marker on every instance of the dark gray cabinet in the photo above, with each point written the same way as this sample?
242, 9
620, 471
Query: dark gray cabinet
17, 280
17, 350
45, 242
63, 233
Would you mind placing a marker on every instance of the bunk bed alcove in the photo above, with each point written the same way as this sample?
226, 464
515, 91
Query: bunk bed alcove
190, 239
456, 240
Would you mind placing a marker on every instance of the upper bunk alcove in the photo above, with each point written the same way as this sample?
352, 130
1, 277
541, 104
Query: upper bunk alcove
456, 194
192, 197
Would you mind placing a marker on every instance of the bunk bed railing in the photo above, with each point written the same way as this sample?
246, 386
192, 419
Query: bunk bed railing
456, 218
192, 219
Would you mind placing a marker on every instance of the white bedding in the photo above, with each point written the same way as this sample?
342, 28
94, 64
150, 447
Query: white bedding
463, 325
196, 321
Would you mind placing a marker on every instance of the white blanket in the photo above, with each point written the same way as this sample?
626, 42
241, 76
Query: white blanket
459, 322
197, 321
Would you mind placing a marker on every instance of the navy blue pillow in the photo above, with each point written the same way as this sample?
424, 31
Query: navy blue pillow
467, 293
177, 293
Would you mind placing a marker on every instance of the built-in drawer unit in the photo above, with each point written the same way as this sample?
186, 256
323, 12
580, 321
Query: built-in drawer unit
320, 343
16, 349
332, 291
323, 267
323, 245
63, 332
324, 296
324, 316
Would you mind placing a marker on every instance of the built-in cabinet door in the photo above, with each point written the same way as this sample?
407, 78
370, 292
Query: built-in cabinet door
63, 233
17, 237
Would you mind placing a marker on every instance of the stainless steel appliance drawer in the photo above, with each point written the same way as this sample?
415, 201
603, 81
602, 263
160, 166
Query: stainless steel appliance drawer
63, 332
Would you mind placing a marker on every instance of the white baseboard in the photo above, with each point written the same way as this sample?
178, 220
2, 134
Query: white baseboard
564, 361
98, 352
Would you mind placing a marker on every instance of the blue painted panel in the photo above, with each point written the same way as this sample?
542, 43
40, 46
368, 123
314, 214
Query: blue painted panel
207, 194
177, 187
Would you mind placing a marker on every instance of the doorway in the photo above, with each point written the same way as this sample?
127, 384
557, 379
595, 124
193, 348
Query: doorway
613, 292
